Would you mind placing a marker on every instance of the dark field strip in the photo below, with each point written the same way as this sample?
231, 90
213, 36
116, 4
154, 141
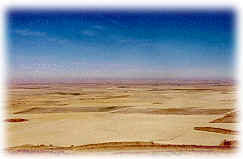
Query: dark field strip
31, 87
183, 89
174, 111
111, 146
217, 130
39, 110
126, 110
228, 118
16, 120
67, 93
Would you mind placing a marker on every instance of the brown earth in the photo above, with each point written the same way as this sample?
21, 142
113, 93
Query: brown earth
166, 113
227, 146
175, 111
217, 130
16, 120
228, 118
39, 110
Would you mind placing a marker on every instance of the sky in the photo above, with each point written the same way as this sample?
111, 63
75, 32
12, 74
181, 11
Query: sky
120, 44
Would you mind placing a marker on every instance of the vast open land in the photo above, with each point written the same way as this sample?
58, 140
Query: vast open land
122, 116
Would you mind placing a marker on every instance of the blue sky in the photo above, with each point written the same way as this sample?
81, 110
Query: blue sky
78, 44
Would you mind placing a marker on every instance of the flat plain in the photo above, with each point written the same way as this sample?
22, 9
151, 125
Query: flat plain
122, 116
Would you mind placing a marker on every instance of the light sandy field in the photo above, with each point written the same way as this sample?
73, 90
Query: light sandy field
93, 113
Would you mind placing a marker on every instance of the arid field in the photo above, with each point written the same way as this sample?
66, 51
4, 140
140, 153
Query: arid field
122, 116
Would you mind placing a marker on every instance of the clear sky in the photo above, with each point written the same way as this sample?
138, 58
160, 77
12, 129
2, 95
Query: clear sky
79, 44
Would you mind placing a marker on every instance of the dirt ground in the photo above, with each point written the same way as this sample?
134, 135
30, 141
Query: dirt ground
64, 114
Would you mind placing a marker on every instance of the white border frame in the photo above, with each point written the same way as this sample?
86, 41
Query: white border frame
4, 5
